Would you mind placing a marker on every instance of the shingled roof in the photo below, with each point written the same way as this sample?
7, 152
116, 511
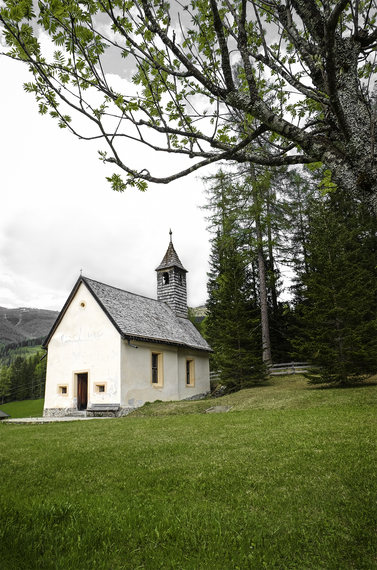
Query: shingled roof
171, 259
138, 318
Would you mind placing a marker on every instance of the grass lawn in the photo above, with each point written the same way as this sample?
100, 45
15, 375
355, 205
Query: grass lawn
24, 409
285, 480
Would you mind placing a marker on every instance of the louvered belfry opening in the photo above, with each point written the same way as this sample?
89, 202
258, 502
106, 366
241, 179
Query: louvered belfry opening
171, 281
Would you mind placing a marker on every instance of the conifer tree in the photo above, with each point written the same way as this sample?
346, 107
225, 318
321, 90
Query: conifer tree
4, 383
254, 198
40, 365
233, 317
337, 314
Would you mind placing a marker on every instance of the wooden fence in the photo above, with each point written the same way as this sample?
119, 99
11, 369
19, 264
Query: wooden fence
214, 375
276, 369
289, 368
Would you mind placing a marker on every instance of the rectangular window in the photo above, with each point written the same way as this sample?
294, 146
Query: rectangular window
100, 387
63, 389
190, 372
156, 369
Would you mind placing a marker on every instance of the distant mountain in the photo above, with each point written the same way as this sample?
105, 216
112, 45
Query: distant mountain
25, 323
198, 313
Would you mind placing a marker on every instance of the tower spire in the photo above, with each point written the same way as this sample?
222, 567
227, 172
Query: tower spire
171, 281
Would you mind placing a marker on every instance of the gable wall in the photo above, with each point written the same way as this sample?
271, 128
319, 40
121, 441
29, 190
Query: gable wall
84, 341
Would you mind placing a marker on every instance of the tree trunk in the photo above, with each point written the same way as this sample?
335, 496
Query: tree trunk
266, 343
272, 279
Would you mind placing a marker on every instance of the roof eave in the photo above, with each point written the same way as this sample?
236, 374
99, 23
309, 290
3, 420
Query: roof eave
165, 341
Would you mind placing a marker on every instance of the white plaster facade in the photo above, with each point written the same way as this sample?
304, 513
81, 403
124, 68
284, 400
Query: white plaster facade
85, 341
137, 387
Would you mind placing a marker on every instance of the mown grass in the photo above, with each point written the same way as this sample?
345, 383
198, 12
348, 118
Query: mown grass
275, 486
24, 409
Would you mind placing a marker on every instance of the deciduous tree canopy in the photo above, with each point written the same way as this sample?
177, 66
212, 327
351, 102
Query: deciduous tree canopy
297, 73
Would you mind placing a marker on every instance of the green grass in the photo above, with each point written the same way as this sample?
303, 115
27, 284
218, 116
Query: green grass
285, 480
279, 393
24, 409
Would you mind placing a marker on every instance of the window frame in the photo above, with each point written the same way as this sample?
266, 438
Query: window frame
190, 372
158, 368
97, 385
62, 387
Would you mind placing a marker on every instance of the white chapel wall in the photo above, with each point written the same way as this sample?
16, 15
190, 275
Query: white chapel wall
201, 383
137, 387
84, 341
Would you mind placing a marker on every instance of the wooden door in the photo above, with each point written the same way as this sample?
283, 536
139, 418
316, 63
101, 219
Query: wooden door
82, 391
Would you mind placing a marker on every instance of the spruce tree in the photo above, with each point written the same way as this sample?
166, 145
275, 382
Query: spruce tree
232, 324
337, 314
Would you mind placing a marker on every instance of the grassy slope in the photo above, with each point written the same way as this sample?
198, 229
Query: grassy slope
281, 392
285, 480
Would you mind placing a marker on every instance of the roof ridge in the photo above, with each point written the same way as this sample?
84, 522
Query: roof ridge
137, 316
119, 289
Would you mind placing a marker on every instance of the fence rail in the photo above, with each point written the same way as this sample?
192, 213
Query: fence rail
276, 369
214, 375
289, 368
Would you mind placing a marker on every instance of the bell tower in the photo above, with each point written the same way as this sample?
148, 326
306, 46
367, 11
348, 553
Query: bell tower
171, 281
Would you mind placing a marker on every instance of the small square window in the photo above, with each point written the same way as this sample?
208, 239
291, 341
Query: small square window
100, 387
63, 390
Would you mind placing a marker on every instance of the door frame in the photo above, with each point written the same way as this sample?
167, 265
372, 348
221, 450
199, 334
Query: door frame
82, 392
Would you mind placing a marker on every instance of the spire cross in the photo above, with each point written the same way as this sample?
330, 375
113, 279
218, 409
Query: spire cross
171, 233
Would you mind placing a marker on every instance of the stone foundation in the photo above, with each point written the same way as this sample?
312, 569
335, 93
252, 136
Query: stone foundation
64, 412
58, 412
121, 412
199, 396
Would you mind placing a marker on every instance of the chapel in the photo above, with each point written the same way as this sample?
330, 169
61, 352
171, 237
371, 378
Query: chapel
110, 351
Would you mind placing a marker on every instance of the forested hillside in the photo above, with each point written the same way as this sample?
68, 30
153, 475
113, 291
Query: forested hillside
24, 323
22, 366
24, 378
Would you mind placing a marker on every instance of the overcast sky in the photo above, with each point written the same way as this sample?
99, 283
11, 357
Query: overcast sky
59, 215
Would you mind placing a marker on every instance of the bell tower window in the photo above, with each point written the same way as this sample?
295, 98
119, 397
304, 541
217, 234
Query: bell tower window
165, 278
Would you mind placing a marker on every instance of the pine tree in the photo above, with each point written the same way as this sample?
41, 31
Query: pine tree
338, 312
233, 317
